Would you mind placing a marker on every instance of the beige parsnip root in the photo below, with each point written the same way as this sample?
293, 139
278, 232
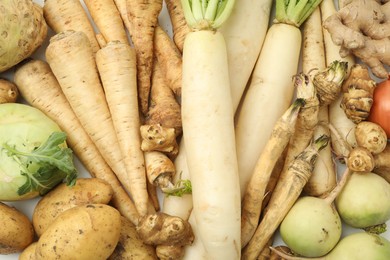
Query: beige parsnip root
107, 18
255, 191
169, 56
40, 88
143, 18
179, 24
286, 192
69, 53
116, 64
63, 15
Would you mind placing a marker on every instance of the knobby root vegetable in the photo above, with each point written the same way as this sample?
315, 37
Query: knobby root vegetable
116, 64
358, 92
23, 30
269, 91
244, 33
285, 194
164, 109
168, 252
208, 124
162, 229
35, 78
158, 138
169, 58
9, 92
159, 169
371, 136
143, 18
107, 19
180, 27
382, 164
63, 15
255, 191
362, 28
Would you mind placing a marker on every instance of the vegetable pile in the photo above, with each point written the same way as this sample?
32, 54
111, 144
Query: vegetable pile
219, 135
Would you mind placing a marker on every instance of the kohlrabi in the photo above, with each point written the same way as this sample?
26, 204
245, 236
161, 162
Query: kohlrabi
33, 153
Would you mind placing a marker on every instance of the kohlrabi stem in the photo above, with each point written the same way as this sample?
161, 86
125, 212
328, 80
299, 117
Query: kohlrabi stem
294, 12
207, 14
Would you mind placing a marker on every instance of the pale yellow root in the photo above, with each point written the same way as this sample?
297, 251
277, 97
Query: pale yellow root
121, 5
40, 88
169, 57
63, 15
108, 20
116, 63
179, 24
160, 169
68, 54
143, 17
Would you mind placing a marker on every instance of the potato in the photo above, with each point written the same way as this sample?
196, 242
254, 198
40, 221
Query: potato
16, 231
83, 232
130, 245
63, 197
29, 252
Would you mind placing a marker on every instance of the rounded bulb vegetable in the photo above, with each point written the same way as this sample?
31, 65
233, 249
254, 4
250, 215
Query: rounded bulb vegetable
380, 109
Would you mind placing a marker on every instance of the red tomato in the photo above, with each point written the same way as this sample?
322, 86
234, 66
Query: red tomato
380, 110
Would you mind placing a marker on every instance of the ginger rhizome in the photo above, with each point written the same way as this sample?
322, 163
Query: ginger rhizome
362, 28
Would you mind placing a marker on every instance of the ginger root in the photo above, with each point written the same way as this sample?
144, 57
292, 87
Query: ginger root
362, 28
358, 91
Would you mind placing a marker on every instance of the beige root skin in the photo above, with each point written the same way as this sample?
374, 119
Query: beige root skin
159, 169
360, 160
358, 91
363, 29
170, 252
9, 92
162, 229
382, 163
158, 138
371, 136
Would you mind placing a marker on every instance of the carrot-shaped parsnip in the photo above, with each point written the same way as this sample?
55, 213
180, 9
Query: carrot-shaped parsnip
180, 27
208, 128
244, 34
337, 115
116, 64
68, 54
40, 88
323, 178
169, 57
255, 190
63, 15
143, 18
284, 196
108, 20
271, 87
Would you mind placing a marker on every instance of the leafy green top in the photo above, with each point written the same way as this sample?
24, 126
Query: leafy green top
294, 12
207, 14
54, 161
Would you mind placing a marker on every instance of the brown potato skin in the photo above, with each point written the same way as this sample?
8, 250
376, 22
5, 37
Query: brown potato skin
63, 197
29, 252
16, 232
130, 245
83, 232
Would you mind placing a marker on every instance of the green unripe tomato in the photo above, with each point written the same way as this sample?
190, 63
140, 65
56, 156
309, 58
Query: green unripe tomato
312, 227
364, 201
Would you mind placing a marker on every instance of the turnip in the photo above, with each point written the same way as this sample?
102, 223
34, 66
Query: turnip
357, 246
312, 227
364, 201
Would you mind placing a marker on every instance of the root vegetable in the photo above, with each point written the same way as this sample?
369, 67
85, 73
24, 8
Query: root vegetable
159, 169
35, 78
158, 138
285, 194
143, 18
116, 64
107, 19
382, 166
255, 191
364, 201
23, 30
312, 227
371, 136
180, 27
208, 127
269, 91
358, 91
9, 92
379, 112
64, 15
358, 246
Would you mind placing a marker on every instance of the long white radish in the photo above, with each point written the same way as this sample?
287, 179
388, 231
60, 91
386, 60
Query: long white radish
208, 130
337, 116
244, 33
271, 89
